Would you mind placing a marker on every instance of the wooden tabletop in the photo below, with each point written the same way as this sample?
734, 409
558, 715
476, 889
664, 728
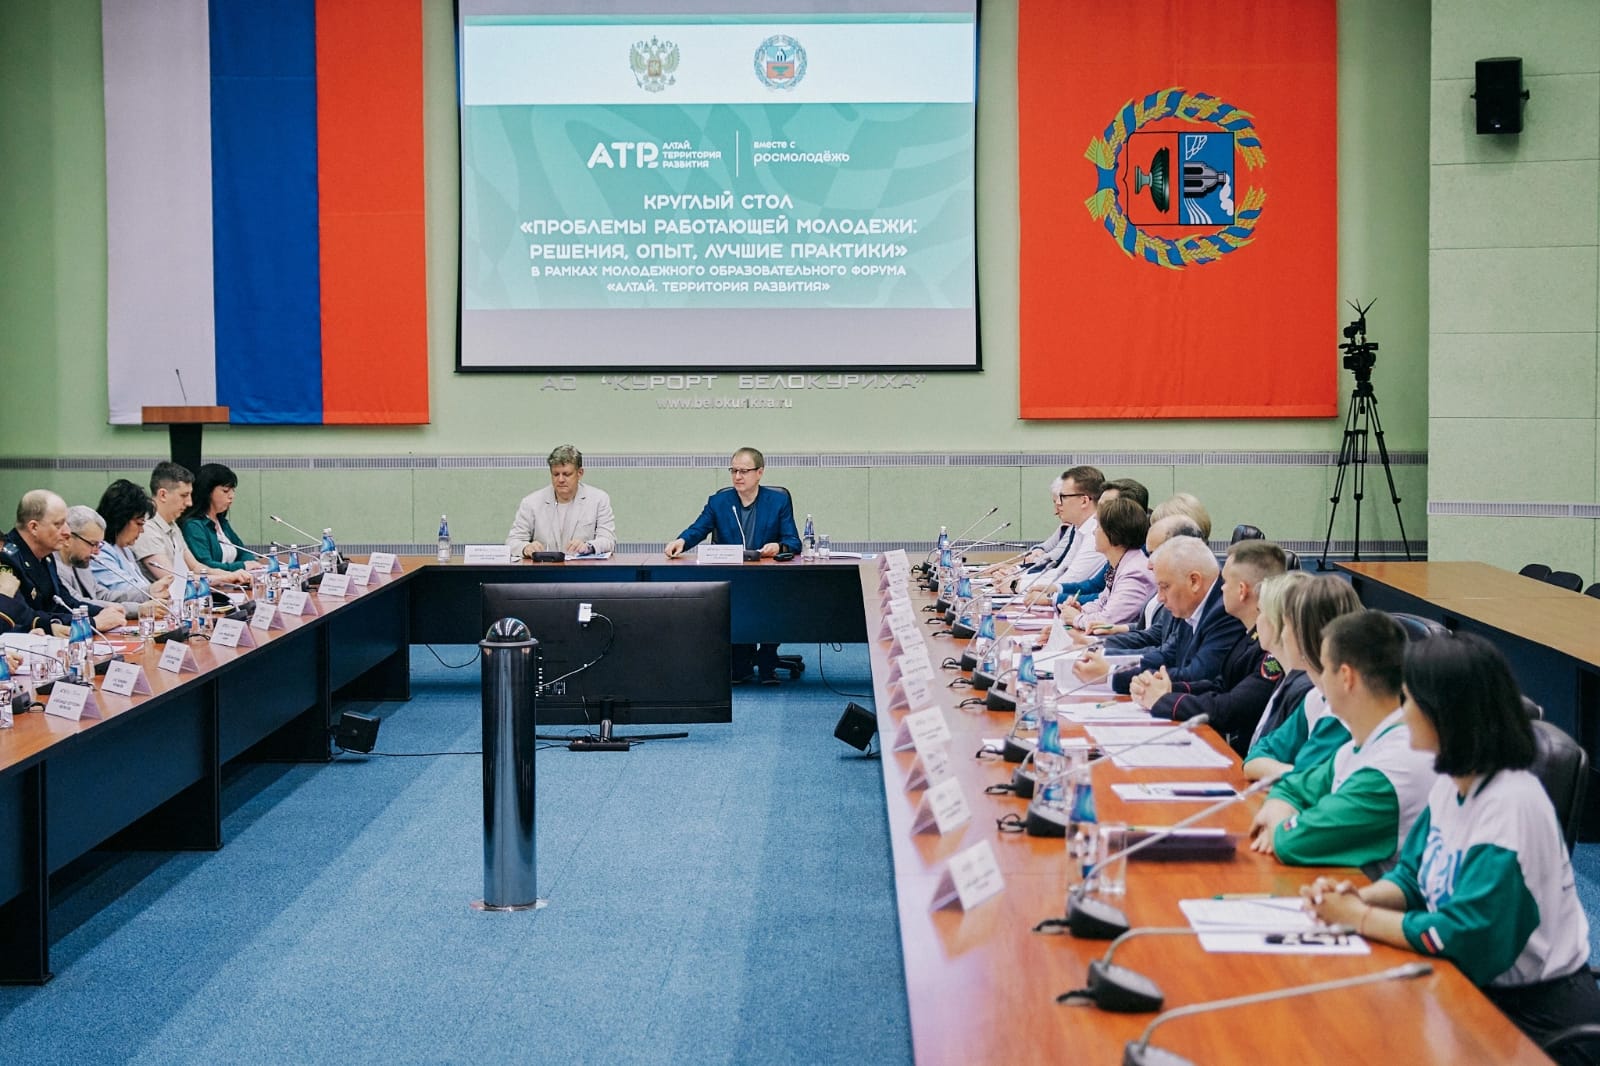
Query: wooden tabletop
982, 985
1519, 606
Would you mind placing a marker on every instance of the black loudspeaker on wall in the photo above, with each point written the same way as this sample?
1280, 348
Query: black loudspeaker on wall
1500, 94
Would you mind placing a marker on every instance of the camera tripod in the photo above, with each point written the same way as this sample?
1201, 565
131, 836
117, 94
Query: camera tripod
1361, 425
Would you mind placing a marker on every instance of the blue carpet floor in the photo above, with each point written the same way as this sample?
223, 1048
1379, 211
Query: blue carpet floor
723, 899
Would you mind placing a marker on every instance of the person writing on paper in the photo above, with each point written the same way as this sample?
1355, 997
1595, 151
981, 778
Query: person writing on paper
1298, 729
1484, 878
1356, 808
206, 531
1188, 581
28, 553
161, 549
1120, 530
761, 519
564, 516
125, 507
1235, 700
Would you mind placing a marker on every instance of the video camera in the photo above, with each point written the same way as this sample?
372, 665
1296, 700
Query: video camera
1360, 354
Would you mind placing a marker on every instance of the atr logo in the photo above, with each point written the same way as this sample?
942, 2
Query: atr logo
654, 63
1154, 175
780, 62
646, 155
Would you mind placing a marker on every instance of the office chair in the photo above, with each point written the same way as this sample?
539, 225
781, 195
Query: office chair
794, 664
1585, 1035
1562, 766
1565, 579
1418, 627
1291, 559
1534, 712
1246, 532
1537, 571
1593, 590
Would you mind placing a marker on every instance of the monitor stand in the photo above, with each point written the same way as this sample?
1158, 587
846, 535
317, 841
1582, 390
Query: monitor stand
606, 741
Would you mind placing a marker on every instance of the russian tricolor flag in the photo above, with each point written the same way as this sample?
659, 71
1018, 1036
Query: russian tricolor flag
265, 209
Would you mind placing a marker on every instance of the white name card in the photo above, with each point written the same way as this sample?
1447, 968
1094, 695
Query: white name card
972, 877
72, 702
922, 729
296, 603
383, 563
719, 554
910, 692
178, 659
360, 574
912, 664
904, 627
485, 554
125, 679
897, 560
943, 808
266, 617
930, 767
232, 633
334, 585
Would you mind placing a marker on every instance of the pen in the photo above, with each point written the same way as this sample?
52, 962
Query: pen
1201, 792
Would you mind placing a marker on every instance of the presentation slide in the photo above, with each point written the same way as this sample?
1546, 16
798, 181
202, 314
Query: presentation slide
780, 188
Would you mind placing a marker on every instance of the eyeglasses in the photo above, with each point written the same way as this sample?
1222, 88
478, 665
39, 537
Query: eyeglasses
94, 545
1063, 497
737, 470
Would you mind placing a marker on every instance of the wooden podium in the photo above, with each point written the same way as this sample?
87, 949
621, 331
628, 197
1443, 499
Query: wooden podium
184, 425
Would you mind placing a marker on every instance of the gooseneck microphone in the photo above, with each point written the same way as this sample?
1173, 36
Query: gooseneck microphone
1045, 821
974, 525
1140, 1053
1121, 990
309, 537
1093, 919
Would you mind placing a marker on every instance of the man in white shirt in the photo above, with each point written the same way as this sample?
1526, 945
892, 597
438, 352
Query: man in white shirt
161, 549
564, 516
1075, 558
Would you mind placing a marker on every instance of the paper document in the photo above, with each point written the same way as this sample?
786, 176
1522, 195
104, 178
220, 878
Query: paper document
1105, 712
1175, 750
584, 558
1293, 930
1175, 791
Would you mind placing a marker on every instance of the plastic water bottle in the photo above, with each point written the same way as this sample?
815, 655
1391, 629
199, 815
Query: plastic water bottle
983, 640
202, 596
1052, 764
330, 553
295, 578
1027, 694
79, 637
944, 539
1082, 824
274, 575
808, 541
191, 593
8, 689
444, 539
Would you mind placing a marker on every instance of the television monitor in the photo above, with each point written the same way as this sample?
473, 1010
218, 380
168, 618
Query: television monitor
669, 657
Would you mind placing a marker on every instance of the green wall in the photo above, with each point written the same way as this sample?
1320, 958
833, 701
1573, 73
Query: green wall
1515, 253
876, 465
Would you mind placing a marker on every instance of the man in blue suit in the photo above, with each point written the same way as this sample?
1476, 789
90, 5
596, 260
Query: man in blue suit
760, 519
1202, 631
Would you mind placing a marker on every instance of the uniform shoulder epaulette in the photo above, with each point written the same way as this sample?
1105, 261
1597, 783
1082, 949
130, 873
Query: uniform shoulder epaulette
1271, 669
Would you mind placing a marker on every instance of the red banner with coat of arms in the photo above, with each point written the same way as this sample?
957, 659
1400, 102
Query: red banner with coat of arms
1178, 194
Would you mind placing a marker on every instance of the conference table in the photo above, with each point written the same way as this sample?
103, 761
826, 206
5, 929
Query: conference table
1550, 636
980, 985
147, 775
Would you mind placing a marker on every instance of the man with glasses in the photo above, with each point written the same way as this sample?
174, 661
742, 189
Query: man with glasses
1071, 563
86, 536
762, 520
27, 557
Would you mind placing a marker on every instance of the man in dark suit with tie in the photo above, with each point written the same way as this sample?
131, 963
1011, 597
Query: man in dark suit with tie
27, 552
1202, 632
